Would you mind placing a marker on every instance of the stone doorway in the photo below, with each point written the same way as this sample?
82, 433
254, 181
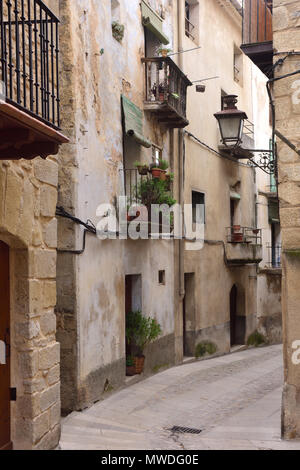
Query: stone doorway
5, 424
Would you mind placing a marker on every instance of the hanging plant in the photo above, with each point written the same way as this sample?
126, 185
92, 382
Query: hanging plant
118, 31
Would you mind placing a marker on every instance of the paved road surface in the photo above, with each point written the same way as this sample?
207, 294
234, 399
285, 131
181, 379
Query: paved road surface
235, 400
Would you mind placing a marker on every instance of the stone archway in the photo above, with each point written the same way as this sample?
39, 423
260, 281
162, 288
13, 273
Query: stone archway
28, 229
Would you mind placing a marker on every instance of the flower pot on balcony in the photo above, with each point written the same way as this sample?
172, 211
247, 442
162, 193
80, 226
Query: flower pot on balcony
143, 169
161, 97
255, 231
130, 218
236, 228
237, 237
163, 175
156, 172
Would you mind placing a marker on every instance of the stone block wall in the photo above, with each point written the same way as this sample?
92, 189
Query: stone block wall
28, 196
287, 101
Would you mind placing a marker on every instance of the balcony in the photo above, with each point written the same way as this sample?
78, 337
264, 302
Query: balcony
244, 245
142, 190
258, 33
166, 91
29, 94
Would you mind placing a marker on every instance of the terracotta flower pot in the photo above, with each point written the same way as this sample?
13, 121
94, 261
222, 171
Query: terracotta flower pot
130, 371
161, 97
156, 172
163, 175
143, 170
236, 228
139, 362
237, 237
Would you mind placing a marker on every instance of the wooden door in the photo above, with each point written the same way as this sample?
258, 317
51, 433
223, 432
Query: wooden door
5, 442
233, 314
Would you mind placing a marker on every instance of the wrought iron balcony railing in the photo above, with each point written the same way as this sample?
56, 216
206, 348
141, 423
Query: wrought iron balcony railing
132, 180
29, 58
166, 91
248, 235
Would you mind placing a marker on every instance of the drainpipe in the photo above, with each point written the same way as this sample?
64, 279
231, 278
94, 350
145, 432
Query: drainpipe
180, 32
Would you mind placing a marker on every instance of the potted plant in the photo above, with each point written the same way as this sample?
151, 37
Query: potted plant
164, 51
142, 168
159, 171
237, 234
130, 218
161, 91
140, 331
163, 165
169, 180
130, 367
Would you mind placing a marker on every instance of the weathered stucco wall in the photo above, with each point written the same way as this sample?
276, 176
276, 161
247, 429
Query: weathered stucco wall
287, 38
219, 36
91, 291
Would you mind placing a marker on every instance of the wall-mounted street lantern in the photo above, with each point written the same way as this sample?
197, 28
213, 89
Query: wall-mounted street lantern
231, 122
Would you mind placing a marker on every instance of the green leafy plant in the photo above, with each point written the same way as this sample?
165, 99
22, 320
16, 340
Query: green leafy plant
256, 339
141, 330
163, 50
129, 361
163, 164
154, 191
205, 348
118, 31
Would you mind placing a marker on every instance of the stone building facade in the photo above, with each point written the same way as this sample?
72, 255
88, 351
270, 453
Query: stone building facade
100, 71
229, 294
69, 290
30, 357
286, 98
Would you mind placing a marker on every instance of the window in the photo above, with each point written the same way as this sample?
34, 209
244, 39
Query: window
192, 20
198, 207
156, 154
238, 66
162, 277
115, 10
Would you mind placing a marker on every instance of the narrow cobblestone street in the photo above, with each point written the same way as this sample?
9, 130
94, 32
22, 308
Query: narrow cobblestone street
235, 400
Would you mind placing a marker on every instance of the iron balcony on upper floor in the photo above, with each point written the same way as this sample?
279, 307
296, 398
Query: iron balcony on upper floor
29, 76
166, 91
258, 33
244, 245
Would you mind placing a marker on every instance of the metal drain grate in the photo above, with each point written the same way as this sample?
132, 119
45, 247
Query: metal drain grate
183, 430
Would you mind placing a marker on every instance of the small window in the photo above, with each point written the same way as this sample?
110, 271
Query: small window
238, 66
115, 10
192, 20
198, 207
162, 277
156, 154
